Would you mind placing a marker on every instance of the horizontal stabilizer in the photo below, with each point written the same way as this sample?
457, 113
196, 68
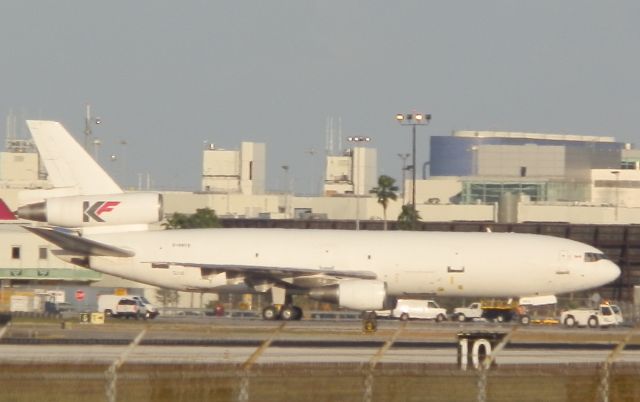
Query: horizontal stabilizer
79, 245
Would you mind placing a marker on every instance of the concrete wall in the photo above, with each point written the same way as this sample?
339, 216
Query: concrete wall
252, 168
615, 187
232, 204
18, 167
27, 257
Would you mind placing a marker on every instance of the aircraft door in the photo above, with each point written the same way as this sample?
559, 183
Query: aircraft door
456, 264
563, 263
456, 267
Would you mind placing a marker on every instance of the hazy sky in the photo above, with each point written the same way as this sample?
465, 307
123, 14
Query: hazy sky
166, 76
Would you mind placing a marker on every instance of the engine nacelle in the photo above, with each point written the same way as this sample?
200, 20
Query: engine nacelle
357, 294
96, 210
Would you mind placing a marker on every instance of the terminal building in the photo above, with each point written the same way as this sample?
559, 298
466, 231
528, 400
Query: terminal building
543, 167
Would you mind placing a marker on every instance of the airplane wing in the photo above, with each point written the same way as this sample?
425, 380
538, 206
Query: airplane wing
76, 244
80, 245
275, 272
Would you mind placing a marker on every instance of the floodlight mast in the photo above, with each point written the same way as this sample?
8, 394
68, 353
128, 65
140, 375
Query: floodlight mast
413, 120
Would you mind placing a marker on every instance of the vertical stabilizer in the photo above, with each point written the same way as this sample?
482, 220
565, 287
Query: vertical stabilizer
68, 164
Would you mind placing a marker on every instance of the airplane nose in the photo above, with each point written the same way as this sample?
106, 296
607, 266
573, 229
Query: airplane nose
612, 272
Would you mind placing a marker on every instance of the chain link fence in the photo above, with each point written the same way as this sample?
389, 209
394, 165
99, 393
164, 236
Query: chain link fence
481, 369
318, 382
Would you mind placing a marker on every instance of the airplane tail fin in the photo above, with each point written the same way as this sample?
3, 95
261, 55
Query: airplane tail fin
68, 164
5, 212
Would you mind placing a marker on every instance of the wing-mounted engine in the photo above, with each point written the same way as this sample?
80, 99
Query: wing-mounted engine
355, 294
96, 210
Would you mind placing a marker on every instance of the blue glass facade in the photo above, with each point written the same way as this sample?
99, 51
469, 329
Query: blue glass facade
453, 156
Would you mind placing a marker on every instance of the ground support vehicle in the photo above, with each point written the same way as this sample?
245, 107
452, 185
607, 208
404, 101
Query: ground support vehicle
130, 308
424, 309
472, 312
500, 311
107, 304
606, 315
63, 310
494, 310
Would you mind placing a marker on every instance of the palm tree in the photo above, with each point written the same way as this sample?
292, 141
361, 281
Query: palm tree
385, 191
203, 218
408, 218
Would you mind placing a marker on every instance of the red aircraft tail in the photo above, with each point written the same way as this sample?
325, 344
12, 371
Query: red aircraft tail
5, 212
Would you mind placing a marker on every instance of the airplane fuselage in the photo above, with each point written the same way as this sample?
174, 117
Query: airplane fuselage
410, 263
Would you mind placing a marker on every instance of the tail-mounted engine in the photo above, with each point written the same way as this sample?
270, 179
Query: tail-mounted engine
96, 210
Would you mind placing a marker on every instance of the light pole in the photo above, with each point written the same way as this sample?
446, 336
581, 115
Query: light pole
87, 127
413, 120
123, 163
285, 189
617, 174
354, 176
404, 173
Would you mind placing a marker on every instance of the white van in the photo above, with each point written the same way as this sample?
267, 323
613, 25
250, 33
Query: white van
424, 309
108, 304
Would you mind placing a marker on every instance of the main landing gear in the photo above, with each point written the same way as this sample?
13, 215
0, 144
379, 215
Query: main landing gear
282, 307
282, 312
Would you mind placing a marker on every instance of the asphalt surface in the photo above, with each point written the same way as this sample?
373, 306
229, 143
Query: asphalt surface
193, 340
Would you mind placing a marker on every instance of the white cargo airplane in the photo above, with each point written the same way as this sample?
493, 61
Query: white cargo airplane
363, 270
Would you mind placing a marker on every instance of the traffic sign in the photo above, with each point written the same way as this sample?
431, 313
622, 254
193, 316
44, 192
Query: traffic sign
79, 295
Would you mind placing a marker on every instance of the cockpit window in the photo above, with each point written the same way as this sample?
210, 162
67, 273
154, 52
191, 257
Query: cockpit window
593, 257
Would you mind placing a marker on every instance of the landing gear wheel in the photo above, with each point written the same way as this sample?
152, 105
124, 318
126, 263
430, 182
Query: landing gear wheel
291, 313
271, 313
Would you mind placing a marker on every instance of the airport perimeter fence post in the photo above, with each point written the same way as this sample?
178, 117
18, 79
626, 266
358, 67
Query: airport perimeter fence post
368, 379
605, 373
111, 374
243, 391
483, 368
4, 329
